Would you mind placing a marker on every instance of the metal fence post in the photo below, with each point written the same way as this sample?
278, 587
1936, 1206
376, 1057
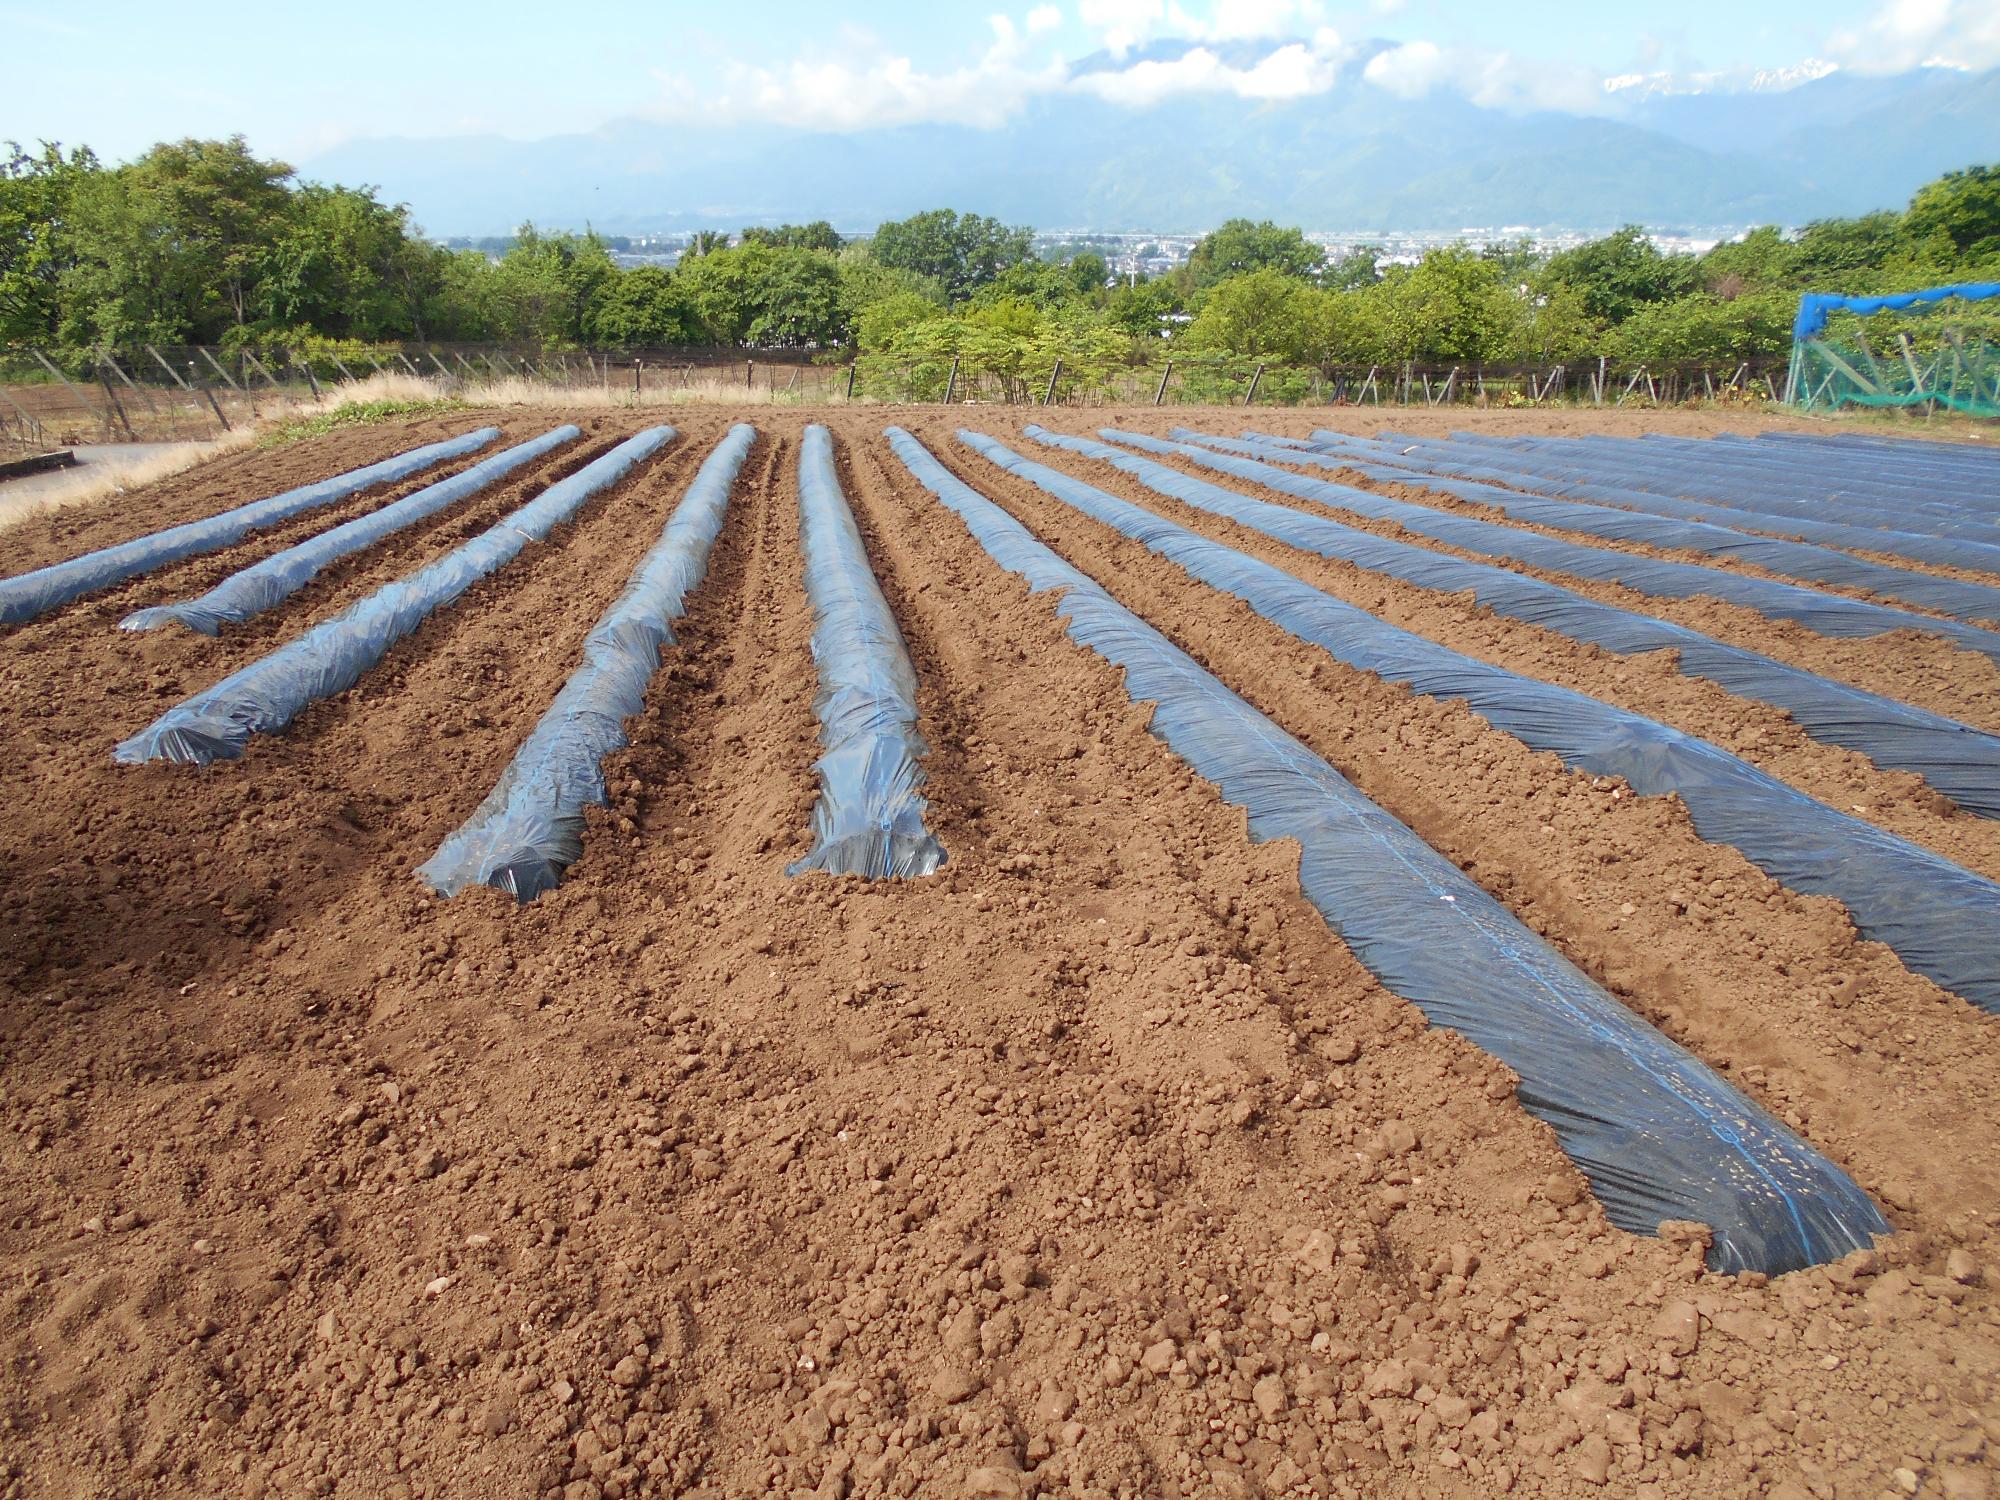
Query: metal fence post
43, 360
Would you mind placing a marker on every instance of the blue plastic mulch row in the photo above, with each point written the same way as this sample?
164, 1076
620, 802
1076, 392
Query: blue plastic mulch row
1961, 762
1574, 475
869, 819
1951, 596
35, 593
1659, 1135
529, 830
1368, 455
1943, 921
265, 584
1825, 614
265, 696
1868, 485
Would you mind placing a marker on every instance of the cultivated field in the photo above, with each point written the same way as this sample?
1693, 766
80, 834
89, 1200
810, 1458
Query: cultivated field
1093, 1164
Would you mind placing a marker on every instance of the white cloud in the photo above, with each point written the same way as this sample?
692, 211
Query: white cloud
1409, 71
1292, 71
1906, 34
859, 86
1044, 18
1121, 25
1495, 80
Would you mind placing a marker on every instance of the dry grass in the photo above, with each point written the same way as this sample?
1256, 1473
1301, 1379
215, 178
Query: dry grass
662, 388
112, 476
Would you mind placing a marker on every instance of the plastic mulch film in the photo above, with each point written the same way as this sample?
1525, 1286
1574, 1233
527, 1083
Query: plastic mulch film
1576, 476
1958, 760
1801, 520
1491, 468
530, 827
264, 697
1942, 920
869, 819
1659, 1135
1825, 614
1725, 466
1951, 596
270, 582
35, 593
1922, 476
1964, 458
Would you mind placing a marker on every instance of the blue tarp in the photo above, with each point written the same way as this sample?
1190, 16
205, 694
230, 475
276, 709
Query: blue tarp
1816, 307
1659, 1135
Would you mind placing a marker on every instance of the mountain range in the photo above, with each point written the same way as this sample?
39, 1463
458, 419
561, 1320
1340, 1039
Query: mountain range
1354, 157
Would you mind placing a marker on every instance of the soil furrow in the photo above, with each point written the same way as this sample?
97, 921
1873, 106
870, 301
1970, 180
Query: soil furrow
1093, 1165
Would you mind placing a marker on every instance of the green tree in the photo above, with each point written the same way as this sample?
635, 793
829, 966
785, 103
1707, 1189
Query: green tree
643, 306
1707, 328
35, 194
172, 247
1262, 314
1451, 305
347, 265
544, 289
1762, 258
962, 252
881, 323
1240, 246
1960, 208
818, 235
1623, 272
1360, 267
1554, 327
1145, 309
796, 299
1840, 254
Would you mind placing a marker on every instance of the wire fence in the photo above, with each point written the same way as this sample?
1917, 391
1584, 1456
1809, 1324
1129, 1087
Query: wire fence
51, 398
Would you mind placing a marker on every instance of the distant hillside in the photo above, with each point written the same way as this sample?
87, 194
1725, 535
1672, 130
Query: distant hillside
1353, 158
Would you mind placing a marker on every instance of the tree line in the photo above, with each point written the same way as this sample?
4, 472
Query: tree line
205, 242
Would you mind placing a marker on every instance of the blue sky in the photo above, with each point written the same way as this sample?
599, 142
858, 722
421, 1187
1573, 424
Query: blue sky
298, 79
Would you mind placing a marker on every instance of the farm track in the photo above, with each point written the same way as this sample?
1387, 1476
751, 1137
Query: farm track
690, 1178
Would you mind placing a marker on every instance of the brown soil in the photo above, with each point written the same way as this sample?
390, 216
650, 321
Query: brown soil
1094, 1165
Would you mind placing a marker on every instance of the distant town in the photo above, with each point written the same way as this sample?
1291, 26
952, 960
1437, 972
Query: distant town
1142, 255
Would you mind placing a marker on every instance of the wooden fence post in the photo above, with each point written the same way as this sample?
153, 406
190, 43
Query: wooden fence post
951, 381
1255, 380
852, 366
1054, 375
1160, 392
